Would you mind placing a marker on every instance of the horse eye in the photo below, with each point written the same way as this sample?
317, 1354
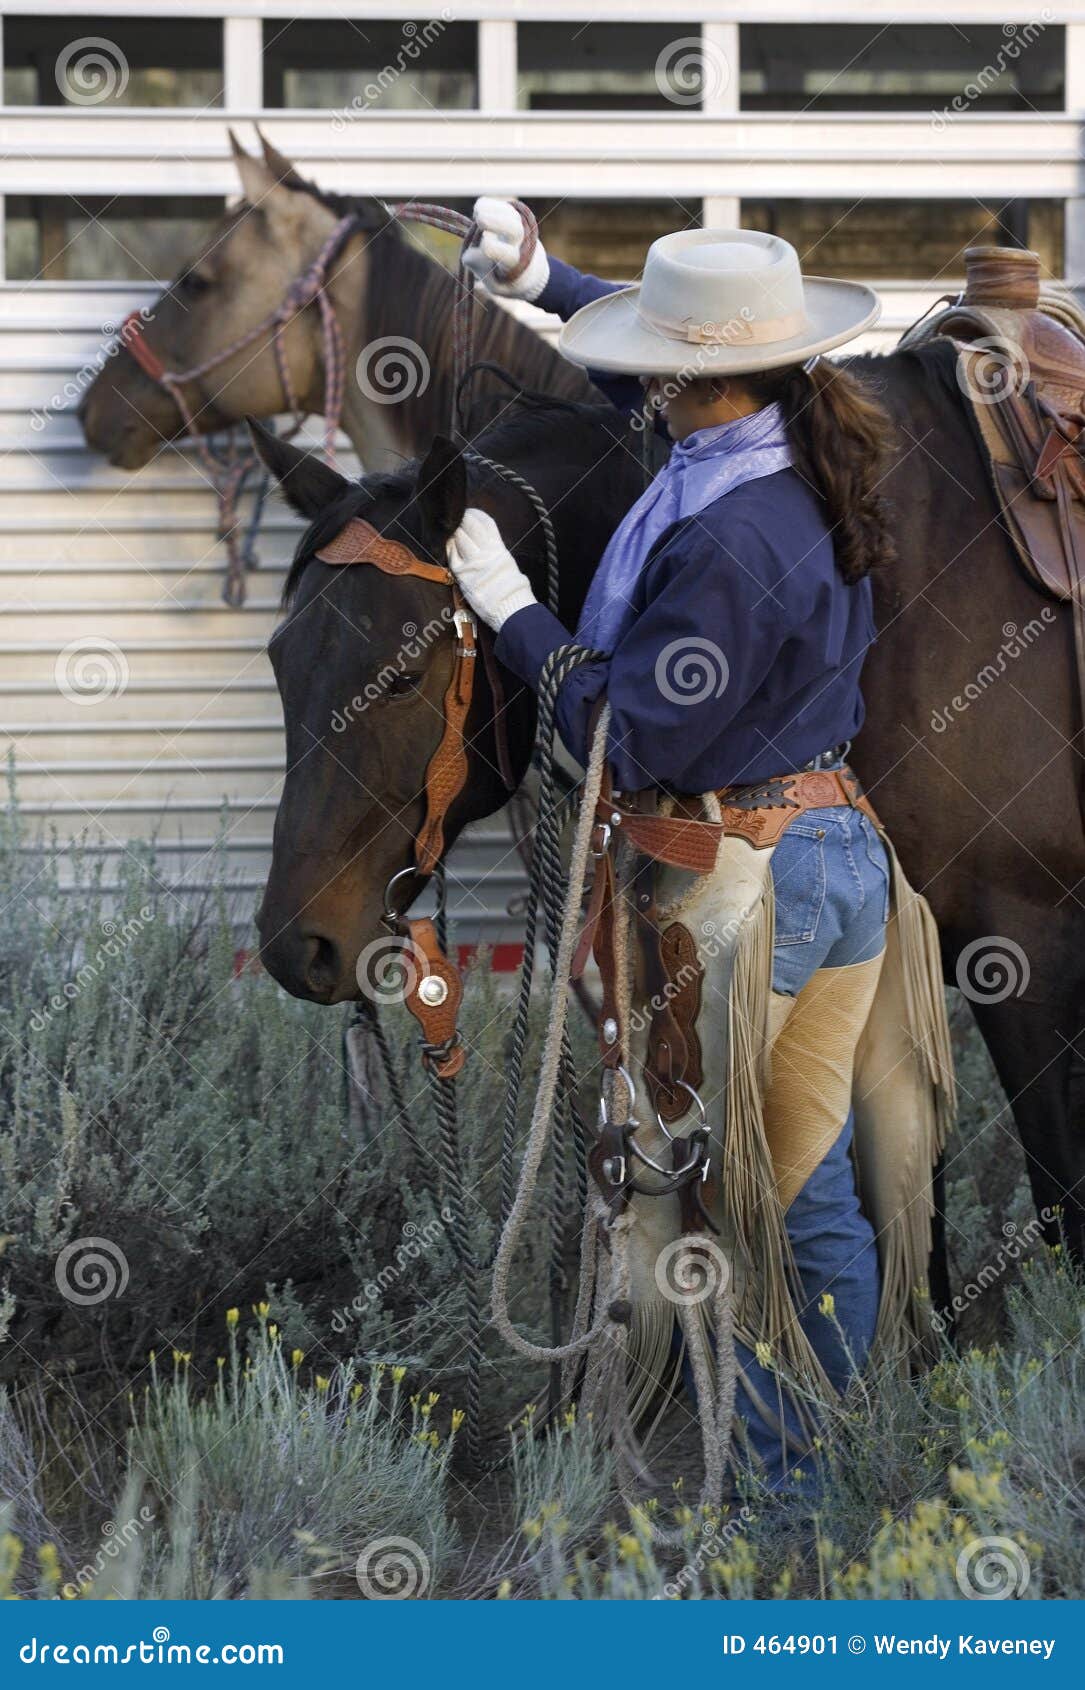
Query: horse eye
192, 284
402, 686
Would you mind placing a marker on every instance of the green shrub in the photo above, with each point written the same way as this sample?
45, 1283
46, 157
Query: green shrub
173, 1138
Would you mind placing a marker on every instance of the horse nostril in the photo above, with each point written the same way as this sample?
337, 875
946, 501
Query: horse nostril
322, 971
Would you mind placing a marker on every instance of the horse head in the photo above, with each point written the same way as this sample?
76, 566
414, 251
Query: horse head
234, 281
392, 301
363, 662
364, 658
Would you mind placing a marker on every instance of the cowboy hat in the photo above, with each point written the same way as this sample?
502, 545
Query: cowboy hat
717, 302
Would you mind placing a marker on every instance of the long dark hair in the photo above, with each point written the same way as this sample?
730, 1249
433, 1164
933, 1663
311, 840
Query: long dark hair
842, 440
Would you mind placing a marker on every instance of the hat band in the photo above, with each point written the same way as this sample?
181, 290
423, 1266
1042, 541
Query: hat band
737, 331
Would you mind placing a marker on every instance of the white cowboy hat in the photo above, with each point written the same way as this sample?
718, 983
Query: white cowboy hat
717, 302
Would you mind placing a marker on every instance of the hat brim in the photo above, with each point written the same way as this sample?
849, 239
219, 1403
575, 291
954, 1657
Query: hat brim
609, 335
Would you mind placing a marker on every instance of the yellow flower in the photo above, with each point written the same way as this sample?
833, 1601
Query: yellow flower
273, 1330
232, 1317
297, 1357
398, 1375
221, 1361
261, 1310
458, 1418
355, 1392
322, 1383
504, 1590
181, 1358
827, 1305
763, 1353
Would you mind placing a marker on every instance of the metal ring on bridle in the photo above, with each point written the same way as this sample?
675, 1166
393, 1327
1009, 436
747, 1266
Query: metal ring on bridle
696, 1096
391, 918
668, 1173
630, 1087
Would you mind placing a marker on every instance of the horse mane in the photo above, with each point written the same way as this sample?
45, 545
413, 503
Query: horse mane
406, 290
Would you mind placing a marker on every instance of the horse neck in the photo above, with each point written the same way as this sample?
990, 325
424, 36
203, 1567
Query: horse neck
587, 477
395, 300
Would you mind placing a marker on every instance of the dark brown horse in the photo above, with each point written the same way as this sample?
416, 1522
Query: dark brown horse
977, 779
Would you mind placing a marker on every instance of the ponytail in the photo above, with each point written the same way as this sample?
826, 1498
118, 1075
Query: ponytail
842, 440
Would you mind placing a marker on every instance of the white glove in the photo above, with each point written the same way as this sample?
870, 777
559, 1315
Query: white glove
498, 249
492, 581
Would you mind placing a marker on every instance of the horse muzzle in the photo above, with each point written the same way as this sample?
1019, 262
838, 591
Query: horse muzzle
309, 965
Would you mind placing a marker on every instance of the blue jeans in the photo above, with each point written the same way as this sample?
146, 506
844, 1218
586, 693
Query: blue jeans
831, 881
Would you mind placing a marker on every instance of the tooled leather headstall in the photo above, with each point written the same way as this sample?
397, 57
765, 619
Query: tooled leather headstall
435, 989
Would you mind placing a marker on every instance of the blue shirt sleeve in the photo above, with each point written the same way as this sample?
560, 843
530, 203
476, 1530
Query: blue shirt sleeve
566, 290
707, 632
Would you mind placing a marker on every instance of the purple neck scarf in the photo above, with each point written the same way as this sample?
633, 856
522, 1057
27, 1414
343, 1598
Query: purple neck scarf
701, 469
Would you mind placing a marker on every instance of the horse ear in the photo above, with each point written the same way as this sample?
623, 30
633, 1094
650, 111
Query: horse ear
256, 179
280, 166
308, 484
442, 486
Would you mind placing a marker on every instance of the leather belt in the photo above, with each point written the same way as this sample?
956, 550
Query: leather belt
759, 814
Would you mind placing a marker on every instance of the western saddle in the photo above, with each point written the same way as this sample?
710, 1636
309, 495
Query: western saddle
1021, 364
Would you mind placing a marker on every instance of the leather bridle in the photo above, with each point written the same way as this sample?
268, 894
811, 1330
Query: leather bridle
228, 473
435, 988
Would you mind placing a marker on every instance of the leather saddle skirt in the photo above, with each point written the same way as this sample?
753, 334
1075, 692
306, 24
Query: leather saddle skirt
1021, 365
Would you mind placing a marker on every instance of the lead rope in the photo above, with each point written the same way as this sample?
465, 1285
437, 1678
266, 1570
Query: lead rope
544, 886
463, 313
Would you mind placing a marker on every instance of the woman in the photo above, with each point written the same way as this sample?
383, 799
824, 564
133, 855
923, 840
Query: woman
748, 557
